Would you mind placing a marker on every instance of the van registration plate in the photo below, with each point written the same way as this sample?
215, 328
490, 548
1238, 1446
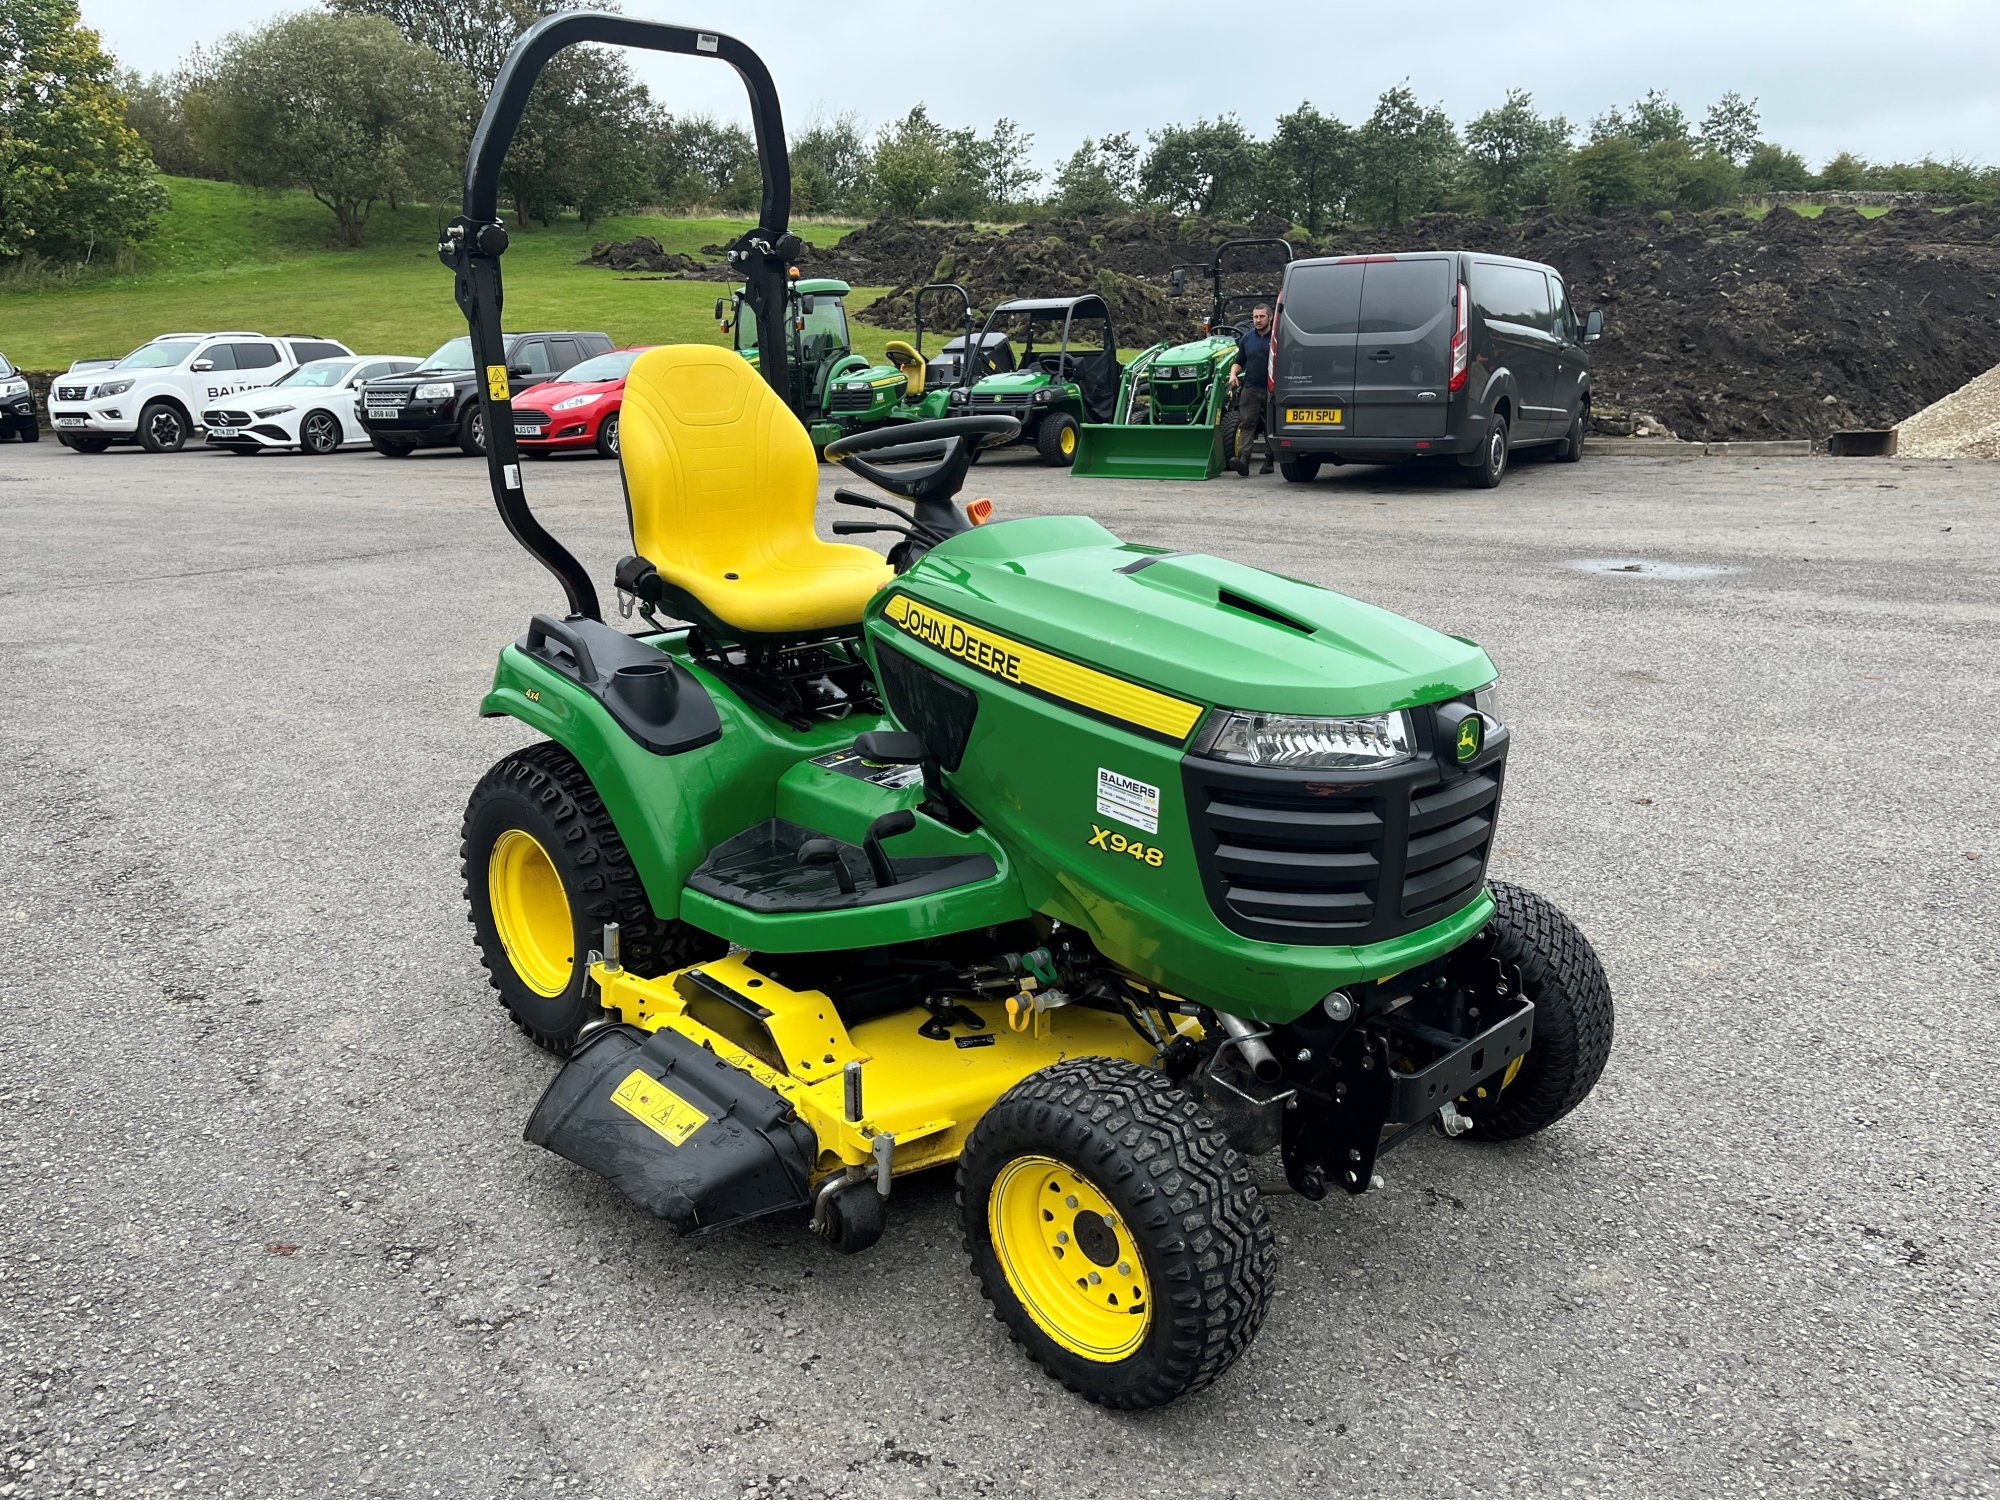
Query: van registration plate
1313, 416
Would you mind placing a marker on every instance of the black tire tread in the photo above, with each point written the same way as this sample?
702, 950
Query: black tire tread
1573, 1016
1185, 1191
1048, 439
548, 776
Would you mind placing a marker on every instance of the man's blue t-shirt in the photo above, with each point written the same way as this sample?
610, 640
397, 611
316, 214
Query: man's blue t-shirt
1253, 352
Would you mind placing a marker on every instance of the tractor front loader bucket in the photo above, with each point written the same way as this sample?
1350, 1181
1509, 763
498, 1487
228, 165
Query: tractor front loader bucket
1114, 450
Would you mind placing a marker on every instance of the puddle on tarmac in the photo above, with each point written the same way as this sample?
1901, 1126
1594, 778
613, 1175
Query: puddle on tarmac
1646, 567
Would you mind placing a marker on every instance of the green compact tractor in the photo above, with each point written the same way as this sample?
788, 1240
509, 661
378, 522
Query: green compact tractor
909, 387
1079, 868
820, 356
1051, 392
1175, 418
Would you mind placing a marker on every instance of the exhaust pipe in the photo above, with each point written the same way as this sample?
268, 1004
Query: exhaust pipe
1250, 1046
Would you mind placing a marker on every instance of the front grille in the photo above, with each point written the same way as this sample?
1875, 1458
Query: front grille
1005, 402
1324, 857
850, 400
536, 419
70, 392
226, 419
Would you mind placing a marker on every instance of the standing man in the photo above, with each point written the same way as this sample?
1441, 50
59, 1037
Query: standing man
1250, 386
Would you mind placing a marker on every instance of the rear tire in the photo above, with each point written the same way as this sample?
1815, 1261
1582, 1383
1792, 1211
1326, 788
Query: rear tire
544, 871
1560, 972
1492, 465
1570, 450
1055, 440
472, 432
320, 434
607, 437
389, 447
1116, 1232
163, 427
1232, 424
1299, 470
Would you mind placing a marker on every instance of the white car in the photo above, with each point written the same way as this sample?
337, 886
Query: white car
311, 409
154, 395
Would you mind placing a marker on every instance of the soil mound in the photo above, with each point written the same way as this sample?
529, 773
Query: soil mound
641, 254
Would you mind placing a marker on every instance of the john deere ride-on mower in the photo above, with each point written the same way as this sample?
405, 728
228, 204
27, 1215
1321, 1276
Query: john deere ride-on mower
1052, 391
1081, 867
909, 387
1175, 418
819, 354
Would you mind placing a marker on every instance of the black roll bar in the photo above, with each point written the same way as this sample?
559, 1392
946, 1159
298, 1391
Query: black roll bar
474, 242
1215, 272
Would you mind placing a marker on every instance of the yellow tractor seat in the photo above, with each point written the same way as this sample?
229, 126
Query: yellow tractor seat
910, 363
721, 484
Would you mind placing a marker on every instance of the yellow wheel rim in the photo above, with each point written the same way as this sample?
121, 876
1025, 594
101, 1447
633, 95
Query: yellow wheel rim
1070, 1259
1068, 441
531, 913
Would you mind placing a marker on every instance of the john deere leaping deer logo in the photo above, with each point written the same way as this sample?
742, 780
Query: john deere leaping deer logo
1471, 735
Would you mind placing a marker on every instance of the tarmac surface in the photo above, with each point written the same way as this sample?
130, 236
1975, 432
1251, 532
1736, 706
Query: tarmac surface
271, 1229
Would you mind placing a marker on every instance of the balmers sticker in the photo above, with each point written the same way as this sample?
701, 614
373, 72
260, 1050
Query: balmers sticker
1042, 672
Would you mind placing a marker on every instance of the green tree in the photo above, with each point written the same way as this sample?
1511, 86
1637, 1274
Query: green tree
1309, 168
165, 109
1844, 173
73, 174
1515, 155
342, 107
1010, 175
1731, 127
1100, 177
1770, 168
1609, 174
828, 159
1209, 167
585, 141
1408, 157
701, 162
920, 169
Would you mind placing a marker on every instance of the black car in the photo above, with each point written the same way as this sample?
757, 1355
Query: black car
17, 405
1442, 354
437, 404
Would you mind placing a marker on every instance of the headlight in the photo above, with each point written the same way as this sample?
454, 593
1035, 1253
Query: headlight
1487, 700
272, 411
13, 388
956, 398
1297, 742
575, 401
436, 390
1043, 396
116, 388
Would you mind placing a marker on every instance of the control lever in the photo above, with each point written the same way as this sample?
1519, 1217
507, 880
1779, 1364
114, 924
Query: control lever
868, 502
885, 827
827, 852
863, 528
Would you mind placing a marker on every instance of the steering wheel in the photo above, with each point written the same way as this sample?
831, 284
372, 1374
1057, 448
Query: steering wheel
932, 456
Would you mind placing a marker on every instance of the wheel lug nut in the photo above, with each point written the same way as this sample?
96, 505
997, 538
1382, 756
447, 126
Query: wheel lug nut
1062, 1237
1095, 1278
1124, 1268
1070, 1201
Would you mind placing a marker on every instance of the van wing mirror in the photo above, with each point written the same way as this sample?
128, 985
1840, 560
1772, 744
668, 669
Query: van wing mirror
1593, 326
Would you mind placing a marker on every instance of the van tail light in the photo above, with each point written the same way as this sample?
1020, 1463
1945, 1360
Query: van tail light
1271, 370
1458, 344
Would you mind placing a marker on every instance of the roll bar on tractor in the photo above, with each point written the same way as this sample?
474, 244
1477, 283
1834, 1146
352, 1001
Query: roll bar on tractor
473, 243
1177, 279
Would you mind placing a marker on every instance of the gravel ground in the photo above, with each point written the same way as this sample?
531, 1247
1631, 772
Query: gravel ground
1965, 424
271, 1229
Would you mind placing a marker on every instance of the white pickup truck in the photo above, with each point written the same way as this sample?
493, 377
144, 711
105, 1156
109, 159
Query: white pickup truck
155, 395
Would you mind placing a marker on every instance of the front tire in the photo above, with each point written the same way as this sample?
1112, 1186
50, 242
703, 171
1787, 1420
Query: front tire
163, 428
1055, 440
1571, 449
1115, 1231
1561, 974
320, 434
389, 447
472, 432
607, 437
1492, 465
31, 434
544, 871
87, 444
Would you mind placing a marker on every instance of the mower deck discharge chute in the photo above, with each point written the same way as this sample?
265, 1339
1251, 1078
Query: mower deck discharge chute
1086, 867
1174, 418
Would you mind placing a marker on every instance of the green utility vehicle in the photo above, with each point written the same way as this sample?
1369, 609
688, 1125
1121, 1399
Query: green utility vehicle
908, 387
1175, 418
1078, 867
821, 355
1052, 391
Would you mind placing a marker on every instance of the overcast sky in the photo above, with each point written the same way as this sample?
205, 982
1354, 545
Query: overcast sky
1887, 81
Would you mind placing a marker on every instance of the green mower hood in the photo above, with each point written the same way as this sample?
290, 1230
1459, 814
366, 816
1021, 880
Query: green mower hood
1215, 633
1202, 351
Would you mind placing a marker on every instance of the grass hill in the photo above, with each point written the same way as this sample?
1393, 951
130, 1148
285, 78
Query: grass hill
229, 257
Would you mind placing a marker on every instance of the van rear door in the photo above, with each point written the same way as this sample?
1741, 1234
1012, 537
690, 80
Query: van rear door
1402, 347
1319, 313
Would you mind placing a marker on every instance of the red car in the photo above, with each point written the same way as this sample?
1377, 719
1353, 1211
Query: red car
578, 409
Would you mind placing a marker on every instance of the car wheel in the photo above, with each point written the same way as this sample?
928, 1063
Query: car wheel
1055, 440
31, 434
607, 437
389, 447
1571, 450
1492, 465
472, 432
163, 428
320, 433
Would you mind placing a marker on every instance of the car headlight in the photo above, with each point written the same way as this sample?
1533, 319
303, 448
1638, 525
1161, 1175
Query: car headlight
436, 390
575, 401
116, 388
1301, 742
1487, 700
13, 387
272, 411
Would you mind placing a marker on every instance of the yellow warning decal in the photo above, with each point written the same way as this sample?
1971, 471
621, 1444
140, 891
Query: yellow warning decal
1039, 671
658, 1107
496, 382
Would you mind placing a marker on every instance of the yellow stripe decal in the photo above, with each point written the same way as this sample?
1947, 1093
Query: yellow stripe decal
1057, 677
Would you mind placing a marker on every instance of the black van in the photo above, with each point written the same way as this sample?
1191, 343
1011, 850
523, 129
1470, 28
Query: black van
1394, 358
